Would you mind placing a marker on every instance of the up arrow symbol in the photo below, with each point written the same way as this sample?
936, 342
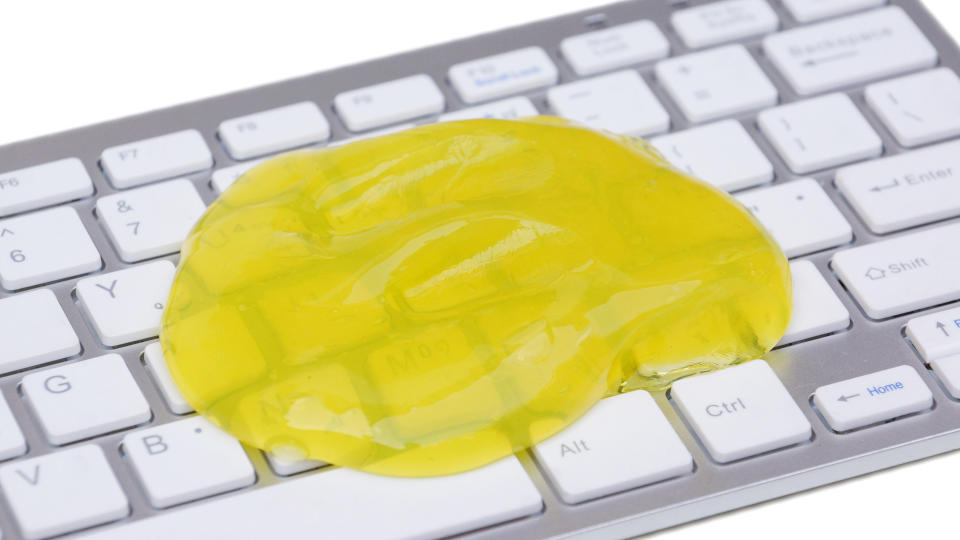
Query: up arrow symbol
5, 232
943, 328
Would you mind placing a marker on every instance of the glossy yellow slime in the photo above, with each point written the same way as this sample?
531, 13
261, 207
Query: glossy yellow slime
433, 300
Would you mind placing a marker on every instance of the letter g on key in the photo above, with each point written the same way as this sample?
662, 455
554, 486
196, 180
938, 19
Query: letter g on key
57, 384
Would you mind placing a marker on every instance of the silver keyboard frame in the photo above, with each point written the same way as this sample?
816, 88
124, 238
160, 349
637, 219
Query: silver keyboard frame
867, 346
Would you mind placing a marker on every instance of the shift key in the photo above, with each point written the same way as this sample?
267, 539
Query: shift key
903, 274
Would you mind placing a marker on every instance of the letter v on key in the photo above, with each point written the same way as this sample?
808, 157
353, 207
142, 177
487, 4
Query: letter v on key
109, 289
32, 480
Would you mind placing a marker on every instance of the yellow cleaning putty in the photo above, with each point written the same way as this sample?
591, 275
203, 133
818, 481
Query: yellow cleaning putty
433, 300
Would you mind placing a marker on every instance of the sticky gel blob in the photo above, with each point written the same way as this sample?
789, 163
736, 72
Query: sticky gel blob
433, 300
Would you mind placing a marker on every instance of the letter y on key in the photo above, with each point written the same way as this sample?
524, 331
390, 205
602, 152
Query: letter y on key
109, 289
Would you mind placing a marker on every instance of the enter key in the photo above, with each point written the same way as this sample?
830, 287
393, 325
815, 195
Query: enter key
905, 190
873, 398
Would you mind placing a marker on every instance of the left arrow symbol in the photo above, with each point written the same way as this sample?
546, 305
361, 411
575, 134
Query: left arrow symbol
845, 398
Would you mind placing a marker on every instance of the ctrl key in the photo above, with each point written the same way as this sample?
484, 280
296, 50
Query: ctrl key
879, 396
741, 411
63, 492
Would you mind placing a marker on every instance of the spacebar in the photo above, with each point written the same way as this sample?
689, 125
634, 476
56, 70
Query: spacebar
347, 504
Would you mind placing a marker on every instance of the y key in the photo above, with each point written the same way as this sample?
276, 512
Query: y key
126, 305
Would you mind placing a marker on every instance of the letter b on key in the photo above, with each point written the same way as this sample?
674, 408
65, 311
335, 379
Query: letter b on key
154, 444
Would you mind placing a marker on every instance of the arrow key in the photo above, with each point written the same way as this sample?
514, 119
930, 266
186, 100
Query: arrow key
936, 335
873, 398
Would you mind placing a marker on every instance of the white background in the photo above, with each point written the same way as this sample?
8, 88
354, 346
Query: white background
70, 64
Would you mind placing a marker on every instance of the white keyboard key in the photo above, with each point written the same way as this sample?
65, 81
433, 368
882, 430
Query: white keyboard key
741, 411
86, 398
600, 454
848, 51
503, 74
45, 246
12, 443
126, 305
903, 274
157, 365
800, 216
505, 109
719, 22
63, 492
819, 133
620, 102
812, 10
615, 47
936, 335
721, 153
389, 102
150, 221
287, 465
906, 189
715, 83
920, 108
34, 331
187, 460
223, 178
156, 158
872, 398
816, 309
948, 369
274, 130
43, 185
372, 134
349, 504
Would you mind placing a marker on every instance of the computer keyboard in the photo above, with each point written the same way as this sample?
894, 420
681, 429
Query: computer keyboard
834, 122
